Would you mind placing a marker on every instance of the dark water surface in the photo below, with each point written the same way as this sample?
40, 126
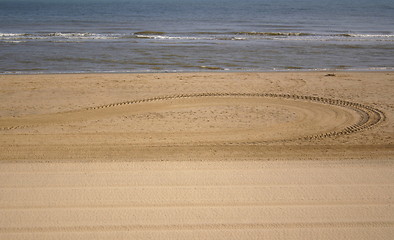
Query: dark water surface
195, 35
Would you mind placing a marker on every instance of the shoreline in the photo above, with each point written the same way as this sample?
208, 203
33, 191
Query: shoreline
383, 69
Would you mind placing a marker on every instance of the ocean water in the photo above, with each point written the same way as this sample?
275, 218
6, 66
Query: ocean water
62, 36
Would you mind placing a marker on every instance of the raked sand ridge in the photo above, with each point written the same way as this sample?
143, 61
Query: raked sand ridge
197, 156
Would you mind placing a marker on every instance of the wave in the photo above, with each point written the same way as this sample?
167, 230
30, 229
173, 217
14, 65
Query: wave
82, 36
149, 33
166, 37
273, 33
191, 36
56, 36
364, 35
242, 36
11, 34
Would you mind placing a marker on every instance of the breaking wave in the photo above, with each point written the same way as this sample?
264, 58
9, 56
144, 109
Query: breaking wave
55, 36
191, 36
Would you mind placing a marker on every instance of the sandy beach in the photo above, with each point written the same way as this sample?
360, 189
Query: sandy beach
246, 155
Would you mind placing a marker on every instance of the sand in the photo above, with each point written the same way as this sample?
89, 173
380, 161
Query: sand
294, 155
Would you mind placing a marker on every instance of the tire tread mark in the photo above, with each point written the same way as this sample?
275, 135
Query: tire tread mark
369, 116
230, 226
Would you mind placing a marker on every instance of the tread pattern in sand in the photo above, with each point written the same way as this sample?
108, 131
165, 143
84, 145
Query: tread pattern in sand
365, 117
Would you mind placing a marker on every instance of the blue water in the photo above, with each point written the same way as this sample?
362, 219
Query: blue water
56, 36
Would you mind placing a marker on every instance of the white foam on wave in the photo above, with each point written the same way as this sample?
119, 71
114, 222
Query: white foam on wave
10, 37
11, 34
193, 38
163, 37
57, 36
238, 36
373, 35
15, 42
86, 36
339, 38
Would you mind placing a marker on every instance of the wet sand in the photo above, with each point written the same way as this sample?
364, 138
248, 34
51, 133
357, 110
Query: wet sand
295, 155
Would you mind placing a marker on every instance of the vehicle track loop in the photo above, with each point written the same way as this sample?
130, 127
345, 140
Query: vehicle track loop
368, 116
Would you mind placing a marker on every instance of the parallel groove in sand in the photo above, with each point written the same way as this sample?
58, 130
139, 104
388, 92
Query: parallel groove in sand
380, 224
147, 208
303, 203
172, 196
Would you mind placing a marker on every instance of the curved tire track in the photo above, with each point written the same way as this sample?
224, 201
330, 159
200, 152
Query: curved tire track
369, 116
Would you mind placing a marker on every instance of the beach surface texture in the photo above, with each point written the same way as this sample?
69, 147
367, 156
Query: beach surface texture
245, 155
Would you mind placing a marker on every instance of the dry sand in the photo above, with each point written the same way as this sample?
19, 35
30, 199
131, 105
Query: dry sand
297, 155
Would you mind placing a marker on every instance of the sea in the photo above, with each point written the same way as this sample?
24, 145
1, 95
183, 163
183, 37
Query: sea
100, 36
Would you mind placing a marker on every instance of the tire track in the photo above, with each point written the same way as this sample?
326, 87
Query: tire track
369, 116
314, 203
185, 227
